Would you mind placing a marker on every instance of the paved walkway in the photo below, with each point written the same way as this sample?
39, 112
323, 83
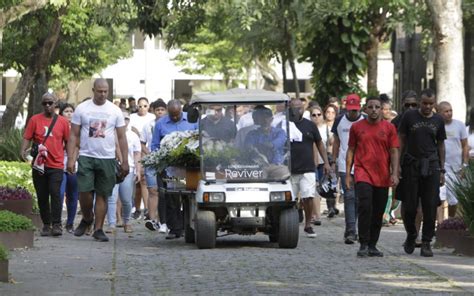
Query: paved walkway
144, 263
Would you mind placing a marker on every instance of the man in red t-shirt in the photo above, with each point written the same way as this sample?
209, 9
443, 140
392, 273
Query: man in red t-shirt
373, 148
48, 182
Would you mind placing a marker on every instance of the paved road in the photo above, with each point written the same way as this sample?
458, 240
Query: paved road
144, 263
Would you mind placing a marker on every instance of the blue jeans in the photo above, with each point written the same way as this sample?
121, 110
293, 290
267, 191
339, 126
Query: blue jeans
69, 186
350, 206
125, 191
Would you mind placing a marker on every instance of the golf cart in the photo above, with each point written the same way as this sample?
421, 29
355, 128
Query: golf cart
245, 183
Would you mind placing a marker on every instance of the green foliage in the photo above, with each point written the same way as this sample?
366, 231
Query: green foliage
210, 55
463, 187
88, 42
11, 222
18, 174
337, 53
4, 255
10, 145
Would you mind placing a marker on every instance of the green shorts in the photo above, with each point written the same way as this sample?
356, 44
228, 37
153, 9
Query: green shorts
95, 174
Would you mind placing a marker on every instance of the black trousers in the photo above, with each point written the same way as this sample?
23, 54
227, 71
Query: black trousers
48, 187
161, 200
426, 191
174, 214
371, 206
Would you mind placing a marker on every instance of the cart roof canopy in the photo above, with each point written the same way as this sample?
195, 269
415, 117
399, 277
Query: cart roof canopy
241, 96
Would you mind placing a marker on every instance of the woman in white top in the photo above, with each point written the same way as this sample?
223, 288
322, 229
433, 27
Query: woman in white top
125, 188
69, 183
318, 119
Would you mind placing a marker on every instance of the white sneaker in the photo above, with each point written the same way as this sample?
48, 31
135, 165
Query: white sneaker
152, 225
163, 228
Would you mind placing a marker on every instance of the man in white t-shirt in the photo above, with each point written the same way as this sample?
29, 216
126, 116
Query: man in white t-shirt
457, 156
138, 121
341, 129
95, 125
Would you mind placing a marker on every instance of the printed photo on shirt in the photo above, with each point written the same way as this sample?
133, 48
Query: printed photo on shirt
97, 128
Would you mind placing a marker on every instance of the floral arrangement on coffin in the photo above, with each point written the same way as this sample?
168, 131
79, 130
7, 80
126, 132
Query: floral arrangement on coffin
177, 149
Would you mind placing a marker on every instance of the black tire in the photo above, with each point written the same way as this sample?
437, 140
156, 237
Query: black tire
288, 233
273, 238
205, 229
188, 231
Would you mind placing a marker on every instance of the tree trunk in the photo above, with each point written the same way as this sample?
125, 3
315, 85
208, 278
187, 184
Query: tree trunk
295, 78
17, 99
449, 62
270, 76
37, 68
372, 68
283, 71
40, 87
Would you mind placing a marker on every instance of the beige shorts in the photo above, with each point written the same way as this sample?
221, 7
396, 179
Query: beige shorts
304, 184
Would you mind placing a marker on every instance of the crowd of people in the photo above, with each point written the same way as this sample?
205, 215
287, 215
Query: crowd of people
370, 156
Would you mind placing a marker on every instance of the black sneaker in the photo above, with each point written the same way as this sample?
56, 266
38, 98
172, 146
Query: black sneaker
426, 250
336, 211
136, 215
331, 213
69, 228
317, 223
374, 252
151, 225
409, 246
350, 239
310, 232
146, 216
46, 231
100, 235
57, 230
82, 228
363, 251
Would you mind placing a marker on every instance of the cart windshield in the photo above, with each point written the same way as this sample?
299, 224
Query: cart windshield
244, 143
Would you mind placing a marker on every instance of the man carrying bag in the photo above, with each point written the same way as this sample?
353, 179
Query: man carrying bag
52, 131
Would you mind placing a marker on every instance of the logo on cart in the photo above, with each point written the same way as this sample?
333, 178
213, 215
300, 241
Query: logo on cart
243, 172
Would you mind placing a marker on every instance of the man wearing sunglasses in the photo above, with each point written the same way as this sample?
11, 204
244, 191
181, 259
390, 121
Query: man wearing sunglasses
422, 134
409, 102
373, 149
48, 183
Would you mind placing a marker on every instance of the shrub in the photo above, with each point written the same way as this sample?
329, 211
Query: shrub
463, 187
10, 144
18, 174
11, 222
455, 223
18, 193
3, 253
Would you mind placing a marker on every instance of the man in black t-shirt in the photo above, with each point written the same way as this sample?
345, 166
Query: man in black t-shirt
422, 136
303, 177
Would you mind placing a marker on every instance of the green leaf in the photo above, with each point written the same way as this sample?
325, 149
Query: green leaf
345, 38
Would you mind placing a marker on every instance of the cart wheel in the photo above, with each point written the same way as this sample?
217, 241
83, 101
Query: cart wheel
205, 229
289, 229
188, 231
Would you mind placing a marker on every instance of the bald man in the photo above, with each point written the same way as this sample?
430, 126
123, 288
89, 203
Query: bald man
52, 132
169, 207
95, 126
457, 156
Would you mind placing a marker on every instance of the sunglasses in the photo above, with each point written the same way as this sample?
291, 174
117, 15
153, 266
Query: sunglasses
414, 105
47, 103
374, 107
316, 114
144, 106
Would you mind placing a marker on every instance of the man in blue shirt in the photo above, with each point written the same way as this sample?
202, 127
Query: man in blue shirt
175, 121
268, 140
169, 206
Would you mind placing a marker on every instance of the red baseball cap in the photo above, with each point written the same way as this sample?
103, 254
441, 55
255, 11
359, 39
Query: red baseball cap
352, 102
